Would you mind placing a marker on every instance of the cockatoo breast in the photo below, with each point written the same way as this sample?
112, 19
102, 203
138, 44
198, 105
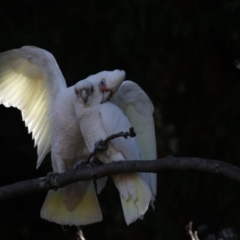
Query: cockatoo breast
102, 120
67, 141
91, 126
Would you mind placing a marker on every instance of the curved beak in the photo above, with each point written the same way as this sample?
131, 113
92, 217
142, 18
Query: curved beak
84, 96
106, 95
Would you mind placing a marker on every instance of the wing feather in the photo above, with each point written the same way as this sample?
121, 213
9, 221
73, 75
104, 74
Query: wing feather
30, 79
137, 106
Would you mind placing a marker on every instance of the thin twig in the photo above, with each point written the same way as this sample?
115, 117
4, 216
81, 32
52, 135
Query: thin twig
131, 133
189, 230
103, 143
80, 235
194, 235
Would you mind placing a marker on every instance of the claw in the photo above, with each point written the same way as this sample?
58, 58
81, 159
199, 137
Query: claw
95, 162
50, 176
51, 179
99, 146
80, 164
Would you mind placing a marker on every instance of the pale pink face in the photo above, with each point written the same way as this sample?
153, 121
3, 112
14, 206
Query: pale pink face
108, 81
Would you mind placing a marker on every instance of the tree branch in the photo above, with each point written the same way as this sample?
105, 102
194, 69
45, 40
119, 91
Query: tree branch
87, 173
103, 143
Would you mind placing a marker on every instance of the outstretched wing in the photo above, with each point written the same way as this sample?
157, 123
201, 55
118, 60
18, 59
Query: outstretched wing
30, 79
139, 109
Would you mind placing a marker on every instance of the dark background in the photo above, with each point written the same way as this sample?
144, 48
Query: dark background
184, 54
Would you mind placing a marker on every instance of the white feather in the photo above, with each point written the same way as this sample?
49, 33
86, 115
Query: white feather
26, 71
86, 212
98, 121
31, 81
138, 108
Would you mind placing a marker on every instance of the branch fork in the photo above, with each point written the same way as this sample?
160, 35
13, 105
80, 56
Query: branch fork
102, 144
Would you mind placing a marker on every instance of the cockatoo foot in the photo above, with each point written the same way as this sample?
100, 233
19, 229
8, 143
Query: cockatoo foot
51, 179
95, 162
99, 146
80, 164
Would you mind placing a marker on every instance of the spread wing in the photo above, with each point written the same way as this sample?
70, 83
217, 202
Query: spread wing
137, 106
30, 79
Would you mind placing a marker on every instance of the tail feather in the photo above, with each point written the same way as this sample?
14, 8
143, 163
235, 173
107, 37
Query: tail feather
135, 195
151, 180
73, 193
86, 212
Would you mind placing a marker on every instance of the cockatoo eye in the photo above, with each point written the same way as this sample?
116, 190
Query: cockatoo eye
101, 83
77, 93
91, 90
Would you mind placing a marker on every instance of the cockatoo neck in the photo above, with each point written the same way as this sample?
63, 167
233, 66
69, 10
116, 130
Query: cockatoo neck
63, 108
68, 99
94, 99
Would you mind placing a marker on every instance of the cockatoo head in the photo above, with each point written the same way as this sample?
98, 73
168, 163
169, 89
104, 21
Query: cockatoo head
107, 82
98, 88
86, 94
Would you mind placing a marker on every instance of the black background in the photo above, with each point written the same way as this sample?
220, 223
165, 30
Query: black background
184, 55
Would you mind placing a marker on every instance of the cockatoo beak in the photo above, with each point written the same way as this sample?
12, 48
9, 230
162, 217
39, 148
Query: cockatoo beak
84, 96
106, 95
112, 84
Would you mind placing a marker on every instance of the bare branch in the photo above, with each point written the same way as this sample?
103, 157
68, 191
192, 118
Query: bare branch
80, 235
86, 173
189, 230
192, 235
103, 143
196, 235
131, 133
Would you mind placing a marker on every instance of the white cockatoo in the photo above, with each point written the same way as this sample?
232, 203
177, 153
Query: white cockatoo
31, 80
99, 119
138, 108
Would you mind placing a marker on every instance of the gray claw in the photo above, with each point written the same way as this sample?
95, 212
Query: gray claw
50, 176
80, 164
95, 162
99, 146
51, 179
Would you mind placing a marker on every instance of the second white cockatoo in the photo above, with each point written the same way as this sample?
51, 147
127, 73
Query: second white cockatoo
98, 120
138, 108
31, 81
